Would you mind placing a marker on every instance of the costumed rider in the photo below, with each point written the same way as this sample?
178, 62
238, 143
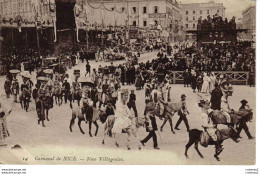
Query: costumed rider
225, 109
75, 90
225, 86
56, 83
208, 125
86, 104
122, 113
26, 88
48, 87
15, 88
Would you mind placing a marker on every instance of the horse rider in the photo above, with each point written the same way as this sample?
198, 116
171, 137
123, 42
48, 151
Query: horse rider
56, 84
85, 100
243, 124
225, 109
15, 88
208, 125
122, 113
105, 87
48, 87
66, 86
226, 87
40, 108
183, 113
75, 87
26, 88
147, 89
131, 103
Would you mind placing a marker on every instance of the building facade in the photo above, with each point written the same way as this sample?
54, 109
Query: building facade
139, 13
249, 19
193, 11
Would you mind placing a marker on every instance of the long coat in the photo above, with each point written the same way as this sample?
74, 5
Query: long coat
215, 100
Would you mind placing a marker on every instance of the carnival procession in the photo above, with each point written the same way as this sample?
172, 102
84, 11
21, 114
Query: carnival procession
71, 82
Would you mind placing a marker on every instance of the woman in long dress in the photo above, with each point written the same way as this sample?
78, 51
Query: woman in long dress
122, 113
205, 85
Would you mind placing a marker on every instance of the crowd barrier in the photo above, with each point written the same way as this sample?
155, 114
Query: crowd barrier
235, 77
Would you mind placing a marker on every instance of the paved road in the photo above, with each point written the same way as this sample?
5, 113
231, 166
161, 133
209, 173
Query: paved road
56, 139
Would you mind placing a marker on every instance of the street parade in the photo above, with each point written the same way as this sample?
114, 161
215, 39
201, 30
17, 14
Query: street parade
119, 95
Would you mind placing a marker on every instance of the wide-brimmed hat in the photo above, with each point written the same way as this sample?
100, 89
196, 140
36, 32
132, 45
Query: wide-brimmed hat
243, 101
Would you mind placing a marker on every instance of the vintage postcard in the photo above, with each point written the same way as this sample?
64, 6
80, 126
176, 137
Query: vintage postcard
127, 82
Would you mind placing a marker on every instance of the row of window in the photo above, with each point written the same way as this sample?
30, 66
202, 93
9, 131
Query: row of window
155, 10
194, 18
144, 23
201, 12
193, 26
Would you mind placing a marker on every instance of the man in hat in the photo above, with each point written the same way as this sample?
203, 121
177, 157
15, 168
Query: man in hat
104, 90
215, 99
243, 124
15, 89
66, 86
75, 87
152, 130
131, 103
183, 113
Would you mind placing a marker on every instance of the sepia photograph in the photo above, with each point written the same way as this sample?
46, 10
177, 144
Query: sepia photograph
127, 82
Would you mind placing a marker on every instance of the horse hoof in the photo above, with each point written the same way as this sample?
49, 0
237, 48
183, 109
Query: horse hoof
140, 148
103, 142
201, 156
161, 130
117, 145
187, 157
90, 135
173, 132
128, 148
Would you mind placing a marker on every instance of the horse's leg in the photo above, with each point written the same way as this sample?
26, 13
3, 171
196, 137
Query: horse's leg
115, 137
128, 140
72, 121
95, 123
164, 122
47, 114
187, 147
134, 133
196, 146
105, 132
90, 124
79, 123
170, 121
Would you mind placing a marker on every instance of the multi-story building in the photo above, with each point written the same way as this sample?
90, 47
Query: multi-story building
249, 19
193, 11
140, 13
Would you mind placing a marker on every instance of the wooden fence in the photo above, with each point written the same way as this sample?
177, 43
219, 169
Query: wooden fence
235, 77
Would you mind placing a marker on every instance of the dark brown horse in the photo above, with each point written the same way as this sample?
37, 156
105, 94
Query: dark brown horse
170, 109
218, 117
90, 114
197, 136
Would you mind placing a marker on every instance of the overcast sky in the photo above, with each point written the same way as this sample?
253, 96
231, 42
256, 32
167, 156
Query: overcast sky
233, 7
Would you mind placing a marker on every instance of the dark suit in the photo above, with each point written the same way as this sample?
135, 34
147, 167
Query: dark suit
152, 133
131, 104
243, 125
215, 100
